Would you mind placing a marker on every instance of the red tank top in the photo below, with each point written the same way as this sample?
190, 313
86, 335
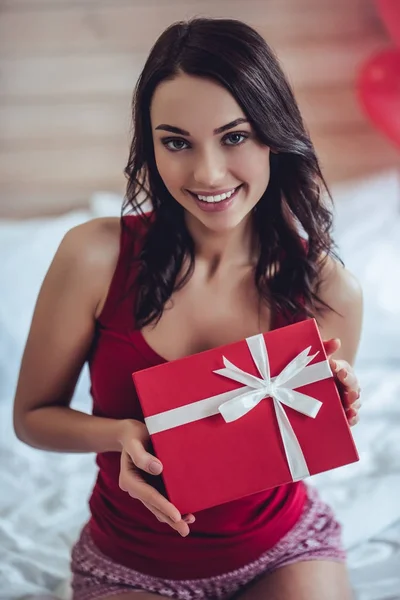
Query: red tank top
222, 538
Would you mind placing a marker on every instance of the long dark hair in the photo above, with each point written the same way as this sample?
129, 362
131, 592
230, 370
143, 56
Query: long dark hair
288, 272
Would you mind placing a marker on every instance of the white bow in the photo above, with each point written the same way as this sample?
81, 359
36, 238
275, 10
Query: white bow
280, 389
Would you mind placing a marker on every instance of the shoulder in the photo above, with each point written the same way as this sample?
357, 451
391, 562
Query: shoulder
339, 288
88, 255
341, 291
94, 243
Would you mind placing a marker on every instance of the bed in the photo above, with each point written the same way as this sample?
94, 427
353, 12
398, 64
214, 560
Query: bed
43, 502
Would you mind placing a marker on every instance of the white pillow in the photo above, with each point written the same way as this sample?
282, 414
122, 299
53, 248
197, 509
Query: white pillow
109, 204
367, 230
105, 204
364, 207
26, 250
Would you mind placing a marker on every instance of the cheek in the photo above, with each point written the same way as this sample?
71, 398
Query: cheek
261, 173
253, 165
171, 171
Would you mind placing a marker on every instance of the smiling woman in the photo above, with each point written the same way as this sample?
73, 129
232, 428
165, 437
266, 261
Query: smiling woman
220, 149
236, 127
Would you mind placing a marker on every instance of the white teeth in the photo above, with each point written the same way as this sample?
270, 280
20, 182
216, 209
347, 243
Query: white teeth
218, 198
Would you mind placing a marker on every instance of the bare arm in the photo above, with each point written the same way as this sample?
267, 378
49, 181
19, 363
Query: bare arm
61, 335
342, 292
58, 343
341, 330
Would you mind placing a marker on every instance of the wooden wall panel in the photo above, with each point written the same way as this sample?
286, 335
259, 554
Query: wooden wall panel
133, 27
51, 123
31, 78
68, 68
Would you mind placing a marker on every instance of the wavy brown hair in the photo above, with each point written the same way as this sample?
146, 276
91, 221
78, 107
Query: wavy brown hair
288, 273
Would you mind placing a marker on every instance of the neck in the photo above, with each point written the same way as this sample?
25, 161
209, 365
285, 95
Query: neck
218, 249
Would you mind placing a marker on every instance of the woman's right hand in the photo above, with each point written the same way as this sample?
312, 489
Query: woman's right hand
134, 439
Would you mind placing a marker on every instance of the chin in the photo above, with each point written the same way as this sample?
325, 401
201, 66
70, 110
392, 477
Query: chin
222, 225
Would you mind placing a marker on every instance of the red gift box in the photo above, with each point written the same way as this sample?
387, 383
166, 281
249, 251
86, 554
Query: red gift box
245, 417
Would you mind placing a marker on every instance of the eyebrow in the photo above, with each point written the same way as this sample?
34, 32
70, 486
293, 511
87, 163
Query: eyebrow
173, 129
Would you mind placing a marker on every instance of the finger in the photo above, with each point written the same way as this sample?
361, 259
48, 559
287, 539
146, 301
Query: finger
336, 364
354, 420
182, 527
331, 346
355, 406
189, 518
160, 517
143, 459
351, 399
132, 482
350, 413
348, 378
146, 493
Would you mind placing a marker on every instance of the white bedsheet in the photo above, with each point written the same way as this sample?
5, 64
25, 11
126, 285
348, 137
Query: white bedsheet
43, 504
43, 500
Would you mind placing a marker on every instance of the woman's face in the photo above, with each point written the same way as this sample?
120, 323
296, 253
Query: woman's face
206, 152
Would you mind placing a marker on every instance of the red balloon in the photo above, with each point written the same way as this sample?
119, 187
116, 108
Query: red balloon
378, 90
389, 11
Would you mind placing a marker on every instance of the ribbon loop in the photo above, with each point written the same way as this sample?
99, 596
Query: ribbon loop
296, 366
238, 407
233, 372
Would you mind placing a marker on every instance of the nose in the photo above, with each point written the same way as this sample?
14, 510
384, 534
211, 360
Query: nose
209, 169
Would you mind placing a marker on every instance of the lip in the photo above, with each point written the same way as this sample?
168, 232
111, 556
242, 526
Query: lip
217, 206
214, 192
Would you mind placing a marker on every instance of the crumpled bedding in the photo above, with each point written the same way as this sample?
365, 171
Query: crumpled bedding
43, 503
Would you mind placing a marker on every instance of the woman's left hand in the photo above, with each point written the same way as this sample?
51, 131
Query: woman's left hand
346, 381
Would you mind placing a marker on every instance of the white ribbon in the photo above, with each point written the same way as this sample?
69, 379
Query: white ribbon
235, 404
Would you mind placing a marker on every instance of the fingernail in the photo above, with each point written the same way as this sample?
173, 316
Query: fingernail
155, 467
334, 365
189, 520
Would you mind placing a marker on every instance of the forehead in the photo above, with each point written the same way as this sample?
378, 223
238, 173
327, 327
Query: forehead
196, 104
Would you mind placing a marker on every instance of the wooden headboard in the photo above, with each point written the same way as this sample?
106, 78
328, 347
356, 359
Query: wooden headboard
68, 68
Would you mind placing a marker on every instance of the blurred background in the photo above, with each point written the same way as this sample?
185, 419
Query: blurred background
67, 71
68, 68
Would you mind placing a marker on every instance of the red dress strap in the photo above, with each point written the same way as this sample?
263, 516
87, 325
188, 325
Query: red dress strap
132, 228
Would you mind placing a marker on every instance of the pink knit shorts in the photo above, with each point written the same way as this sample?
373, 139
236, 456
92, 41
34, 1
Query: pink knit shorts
317, 535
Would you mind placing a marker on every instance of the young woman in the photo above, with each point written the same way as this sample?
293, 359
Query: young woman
238, 243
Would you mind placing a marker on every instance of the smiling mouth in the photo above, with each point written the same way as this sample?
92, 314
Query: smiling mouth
208, 199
